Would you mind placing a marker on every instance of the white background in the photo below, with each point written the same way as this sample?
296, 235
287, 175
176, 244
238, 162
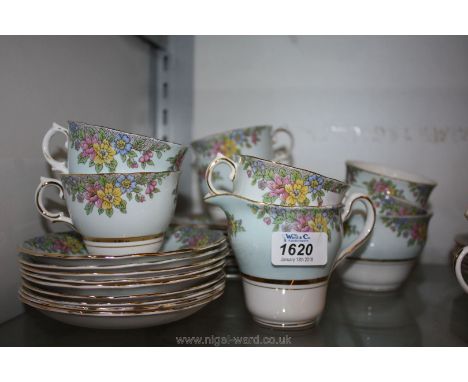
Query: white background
400, 101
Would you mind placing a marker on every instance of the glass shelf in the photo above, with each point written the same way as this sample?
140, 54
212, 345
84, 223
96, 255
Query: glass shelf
430, 310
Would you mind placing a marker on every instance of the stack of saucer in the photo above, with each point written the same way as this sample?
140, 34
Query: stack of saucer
402, 203
285, 227
232, 269
65, 282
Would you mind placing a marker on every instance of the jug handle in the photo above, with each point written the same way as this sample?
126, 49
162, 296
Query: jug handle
220, 158
458, 271
56, 165
366, 230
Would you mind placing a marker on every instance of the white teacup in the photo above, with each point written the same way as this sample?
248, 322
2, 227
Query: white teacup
117, 214
95, 149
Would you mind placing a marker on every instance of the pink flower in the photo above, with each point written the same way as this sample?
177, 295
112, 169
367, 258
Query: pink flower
267, 220
216, 148
146, 156
254, 138
380, 187
151, 187
91, 194
302, 224
87, 147
277, 185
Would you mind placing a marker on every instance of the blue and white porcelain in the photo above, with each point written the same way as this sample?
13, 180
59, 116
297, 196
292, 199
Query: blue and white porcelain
93, 149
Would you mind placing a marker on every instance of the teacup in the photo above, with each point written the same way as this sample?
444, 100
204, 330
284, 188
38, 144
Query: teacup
386, 260
117, 214
257, 140
387, 205
95, 149
288, 294
274, 183
378, 179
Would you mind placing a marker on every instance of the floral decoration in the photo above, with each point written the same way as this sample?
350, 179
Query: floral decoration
234, 226
298, 220
421, 192
287, 186
229, 144
101, 147
383, 187
391, 207
110, 192
414, 230
66, 243
192, 237
352, 174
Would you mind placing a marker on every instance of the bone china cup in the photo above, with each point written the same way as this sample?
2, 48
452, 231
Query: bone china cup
274, 183
386, 260
117, 214
95, 149
283, 295
379, 179
256, 140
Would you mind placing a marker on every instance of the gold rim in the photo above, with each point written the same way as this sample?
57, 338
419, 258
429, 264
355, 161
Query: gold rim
215, 135
250, 201
131, 284
355, 164
118, 298
217, 257
344, 184
85, 124
380, 260
123, 239
128, 307
212, 246
119, 267
123, 314
285, 282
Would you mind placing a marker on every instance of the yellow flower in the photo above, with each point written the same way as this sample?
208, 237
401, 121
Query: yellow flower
229, 147
104, 152
297, 192
319, 224
110, 196
74, 244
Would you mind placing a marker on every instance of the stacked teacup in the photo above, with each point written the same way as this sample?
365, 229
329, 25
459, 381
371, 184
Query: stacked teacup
285, 226
115, 271
401, 227
120, 188
259, 141
459, 260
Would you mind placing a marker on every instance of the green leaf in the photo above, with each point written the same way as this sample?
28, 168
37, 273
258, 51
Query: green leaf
123, 157
132, 154
151, 196
89, 208
159, 154
100, 211
109, 212
82, 159
112, 165
129, 196
98, 168
150, 163
101, 135
102, 181
143, 165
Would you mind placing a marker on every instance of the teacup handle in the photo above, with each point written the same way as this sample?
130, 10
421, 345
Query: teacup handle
283, 152
53, 217
55, 164
220, 158
458, 272
366, 230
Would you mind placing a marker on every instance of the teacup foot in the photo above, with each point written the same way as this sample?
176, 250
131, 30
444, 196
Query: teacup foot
124, 246
286, 325
375, 276
285, 304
